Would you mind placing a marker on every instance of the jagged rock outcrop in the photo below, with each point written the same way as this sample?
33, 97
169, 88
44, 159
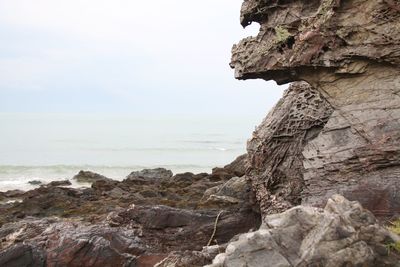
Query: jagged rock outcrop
342, 234
349, 54
136, 236
150, 216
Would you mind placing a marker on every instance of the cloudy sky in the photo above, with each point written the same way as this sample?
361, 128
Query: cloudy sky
125, 56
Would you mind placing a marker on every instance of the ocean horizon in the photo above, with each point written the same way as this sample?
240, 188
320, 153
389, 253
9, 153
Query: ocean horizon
50, 147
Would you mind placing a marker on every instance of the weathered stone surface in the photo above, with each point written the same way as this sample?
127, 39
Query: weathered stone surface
238, 166
136, 236
167, 229
300, 38
342, 234
53, 242
358, 152
349, 52
276, 148
22, 255
149, 174
237, 190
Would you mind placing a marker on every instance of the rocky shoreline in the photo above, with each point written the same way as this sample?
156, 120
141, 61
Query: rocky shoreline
155, 218
134, 222
318, 183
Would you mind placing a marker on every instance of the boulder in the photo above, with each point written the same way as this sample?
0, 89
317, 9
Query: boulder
89, 177
238, 166
149, 175
220, 174
185, 179
236, 190
342, 234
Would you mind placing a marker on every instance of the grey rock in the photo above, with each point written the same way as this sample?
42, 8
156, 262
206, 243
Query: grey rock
234, 191
35, 182
59, 183
236, 187
62, 243
149, 174
342, 234
22, 255
89, 177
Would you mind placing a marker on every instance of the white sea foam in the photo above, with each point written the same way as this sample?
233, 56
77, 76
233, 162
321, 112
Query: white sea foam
54, 147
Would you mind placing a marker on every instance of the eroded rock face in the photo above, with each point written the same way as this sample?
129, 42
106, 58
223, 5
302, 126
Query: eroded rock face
349, 52
296, 37
276, 147
342, 234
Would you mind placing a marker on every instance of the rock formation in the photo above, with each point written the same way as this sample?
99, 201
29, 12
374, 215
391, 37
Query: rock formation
340, 133
336, 130
88, 177
342, 234
152, 216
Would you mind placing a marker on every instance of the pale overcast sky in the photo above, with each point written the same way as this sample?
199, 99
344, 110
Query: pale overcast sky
125, 56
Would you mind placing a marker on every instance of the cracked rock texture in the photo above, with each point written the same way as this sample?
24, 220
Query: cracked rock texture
344, 136
342, 234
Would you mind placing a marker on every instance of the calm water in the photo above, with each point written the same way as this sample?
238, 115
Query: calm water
53, 147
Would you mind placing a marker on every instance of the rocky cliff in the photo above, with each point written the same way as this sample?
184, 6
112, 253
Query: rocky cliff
338, 130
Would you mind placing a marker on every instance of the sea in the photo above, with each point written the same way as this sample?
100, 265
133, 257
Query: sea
50, 147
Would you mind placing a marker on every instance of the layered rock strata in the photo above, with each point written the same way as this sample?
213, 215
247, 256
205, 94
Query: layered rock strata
349, 54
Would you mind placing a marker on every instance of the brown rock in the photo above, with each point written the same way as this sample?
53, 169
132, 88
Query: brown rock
351, 123
238, 166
